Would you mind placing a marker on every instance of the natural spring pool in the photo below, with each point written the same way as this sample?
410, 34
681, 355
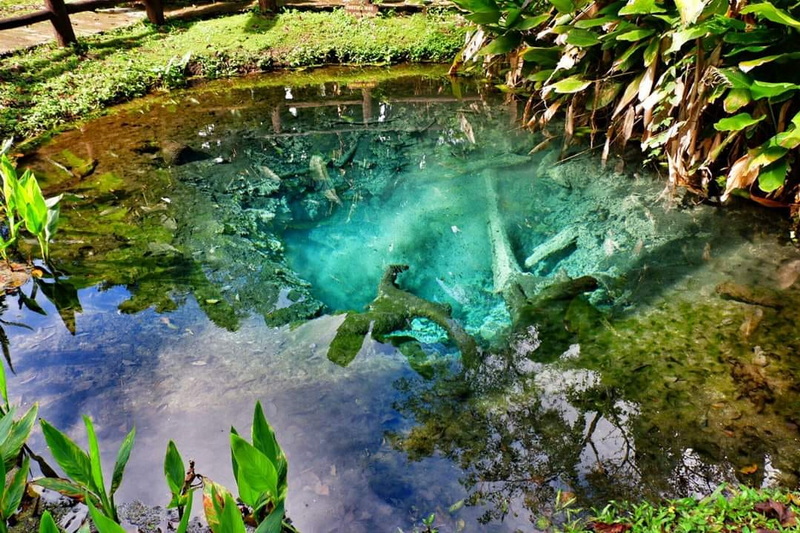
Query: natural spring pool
212, 236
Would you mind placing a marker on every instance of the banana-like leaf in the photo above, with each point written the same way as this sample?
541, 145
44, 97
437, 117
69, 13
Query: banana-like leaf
772, 176
572, 84
231, 518
174, 469
641, 7
736, 99
95, 464
256, 475
12, 495
47, 524
765, 89
103, 523
737, 122
501, 45
20, 431
274, 522
74, 461
772, 13
123, 455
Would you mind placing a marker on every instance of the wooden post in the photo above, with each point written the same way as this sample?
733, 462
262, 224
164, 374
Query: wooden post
268, 6
155, 11
61, 24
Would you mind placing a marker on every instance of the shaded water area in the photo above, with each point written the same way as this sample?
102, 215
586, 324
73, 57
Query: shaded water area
213, 238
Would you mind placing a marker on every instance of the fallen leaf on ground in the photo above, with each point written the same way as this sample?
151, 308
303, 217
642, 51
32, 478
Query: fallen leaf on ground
601, 527
778, 511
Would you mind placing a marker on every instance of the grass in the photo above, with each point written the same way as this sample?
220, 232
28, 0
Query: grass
726, 509
46, 87
11, 8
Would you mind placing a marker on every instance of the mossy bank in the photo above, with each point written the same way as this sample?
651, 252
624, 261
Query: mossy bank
46, 87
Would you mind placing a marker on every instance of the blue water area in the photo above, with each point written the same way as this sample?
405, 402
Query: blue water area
626, 339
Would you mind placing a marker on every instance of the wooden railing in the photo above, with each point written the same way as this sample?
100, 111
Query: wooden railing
58, 12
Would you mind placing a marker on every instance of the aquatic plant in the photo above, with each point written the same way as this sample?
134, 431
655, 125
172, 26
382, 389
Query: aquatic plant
23, 202
84, 469
47, 524
701, 84
179, 483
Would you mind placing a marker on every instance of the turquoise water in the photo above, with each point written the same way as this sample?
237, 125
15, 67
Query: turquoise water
207, 261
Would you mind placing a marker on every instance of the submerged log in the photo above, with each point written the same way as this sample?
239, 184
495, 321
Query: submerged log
504, 264
553, 246
392, 310
749, 295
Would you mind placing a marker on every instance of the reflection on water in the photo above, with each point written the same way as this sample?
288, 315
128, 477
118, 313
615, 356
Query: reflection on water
221, 228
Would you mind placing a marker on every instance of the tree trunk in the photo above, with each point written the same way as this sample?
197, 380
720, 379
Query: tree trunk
268, 6
155, 11
61, 24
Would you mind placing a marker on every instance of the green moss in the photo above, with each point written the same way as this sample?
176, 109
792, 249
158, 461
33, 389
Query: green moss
47, 87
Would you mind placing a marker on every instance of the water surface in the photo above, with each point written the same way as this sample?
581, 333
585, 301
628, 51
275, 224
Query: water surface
208, 256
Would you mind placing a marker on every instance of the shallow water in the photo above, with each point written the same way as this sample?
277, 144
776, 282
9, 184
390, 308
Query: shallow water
206, 255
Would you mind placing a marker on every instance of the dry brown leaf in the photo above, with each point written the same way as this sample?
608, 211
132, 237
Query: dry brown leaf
627, 125
749, 469
601, 527
646, 85
740, 176
778, 511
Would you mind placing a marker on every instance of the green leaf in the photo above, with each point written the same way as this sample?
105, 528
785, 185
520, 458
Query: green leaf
12, 496
749, 38
594, 22
123, 455
736, 99
635, 35
174, 469
187, 513
273, 522
735, 78
67, 454
544, 57
6, 423
772, 176
641, 7
570, 85
488, 17
103, 523
62, 486
737, 122
95, 464
563, 6
477, 6
214, 496
47, 524
679, 38
772, 13
20, 431
231, 518
764, 89
541, 75
528, 23
501, 45
256, 474
583, 38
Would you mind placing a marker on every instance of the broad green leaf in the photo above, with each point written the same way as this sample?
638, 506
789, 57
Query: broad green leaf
594, 22
747, 66
67, 454
501, 45
273, 522
735, 78
231, 518
545, 57
20, 431
528, 23
788, 139
477, 6
263, 436
570, 85
488, 17
214, 496
62, 486
772, 13
103, 523
256, 474
772, 176
187, 513
6, 423
12, 496
563, 6
512, 17
764, 89
123, 455
737, 122
627, 58
583, 38
174, 469
641, 7
679, 38
736, 99
750, 38
767, 153
542, 75
635, 35
651, 52
95, 463
743, 49
47, 524
690, 10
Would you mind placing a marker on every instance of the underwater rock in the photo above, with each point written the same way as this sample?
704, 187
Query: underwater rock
176, 153
749, 295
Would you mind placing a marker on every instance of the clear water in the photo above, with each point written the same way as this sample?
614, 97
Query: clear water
190, 291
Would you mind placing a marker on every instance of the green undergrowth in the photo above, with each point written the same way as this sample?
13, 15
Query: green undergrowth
12, 8
726, 509
46, 87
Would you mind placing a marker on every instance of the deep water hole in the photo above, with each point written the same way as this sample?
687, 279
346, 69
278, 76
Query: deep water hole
234, 242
